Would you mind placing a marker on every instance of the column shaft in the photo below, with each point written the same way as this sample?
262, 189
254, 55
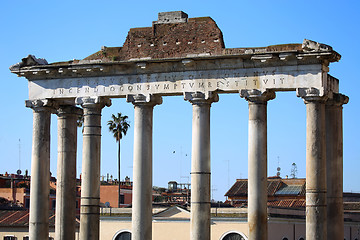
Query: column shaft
90, 181
40, 175
200, 221
142, 190
334, 167
66, 173
142, 185
200, 173
315, 170
257, 157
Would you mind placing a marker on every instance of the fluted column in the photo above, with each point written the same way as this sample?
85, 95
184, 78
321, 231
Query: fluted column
200, 165
90, 178
334, 166
142, 175
40, 169
66, 173
257, 158
315, 164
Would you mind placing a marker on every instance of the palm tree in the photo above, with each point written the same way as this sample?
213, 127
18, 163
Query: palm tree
118, 125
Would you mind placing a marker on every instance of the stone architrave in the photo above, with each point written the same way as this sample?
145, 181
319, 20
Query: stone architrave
200, 165
40, 168
66, 173
142, 182
257, 157
316, 204
334, 166
90, 178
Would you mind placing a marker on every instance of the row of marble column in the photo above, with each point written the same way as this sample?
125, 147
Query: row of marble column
323, 166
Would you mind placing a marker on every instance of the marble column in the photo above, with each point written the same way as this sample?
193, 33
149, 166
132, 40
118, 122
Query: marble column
66, 173
40, 169
334, 166
257, 158
316, 216
200, 165
90, 175
142, 175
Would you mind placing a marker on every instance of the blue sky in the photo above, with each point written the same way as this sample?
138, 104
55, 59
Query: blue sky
65, 30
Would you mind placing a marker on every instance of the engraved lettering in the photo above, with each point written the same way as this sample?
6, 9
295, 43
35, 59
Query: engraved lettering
282, 80
166, 86
218, 83
201, 85
265, 80
236, 83
138, 87
183, 85
112, 88
191, 85
121, 88
255, 81
70, 90
209, 84
87, 90
61, 91
157, 86
130, 88
148, 87
175, 85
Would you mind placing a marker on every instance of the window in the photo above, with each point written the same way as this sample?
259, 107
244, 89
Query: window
27, 203
301, 238
290, 190
233, 236
122, 235
8, 237
122, 199
26, 238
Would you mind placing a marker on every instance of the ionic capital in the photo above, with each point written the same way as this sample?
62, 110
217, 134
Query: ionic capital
337, 99
40, 105
93, 102
198, 98
311, 95
68, 110
141, 99
256, 96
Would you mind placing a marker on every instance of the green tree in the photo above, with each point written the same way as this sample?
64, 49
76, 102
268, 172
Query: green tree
118, 125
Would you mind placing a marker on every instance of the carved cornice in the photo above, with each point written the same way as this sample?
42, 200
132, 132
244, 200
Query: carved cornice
198, 98
39, 105
311, 95
337, 99
256, 96
93, 102
140, 99
68, 110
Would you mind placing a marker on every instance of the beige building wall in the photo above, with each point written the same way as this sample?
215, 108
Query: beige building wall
21, 232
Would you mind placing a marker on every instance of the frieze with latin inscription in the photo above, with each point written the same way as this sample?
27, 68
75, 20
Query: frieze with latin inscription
176, 83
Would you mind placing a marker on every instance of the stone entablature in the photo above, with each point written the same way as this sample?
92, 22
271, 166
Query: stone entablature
152, 63
177, 76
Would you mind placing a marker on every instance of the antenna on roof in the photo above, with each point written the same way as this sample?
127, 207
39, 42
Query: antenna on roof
278, 168
293, 170
19, 153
